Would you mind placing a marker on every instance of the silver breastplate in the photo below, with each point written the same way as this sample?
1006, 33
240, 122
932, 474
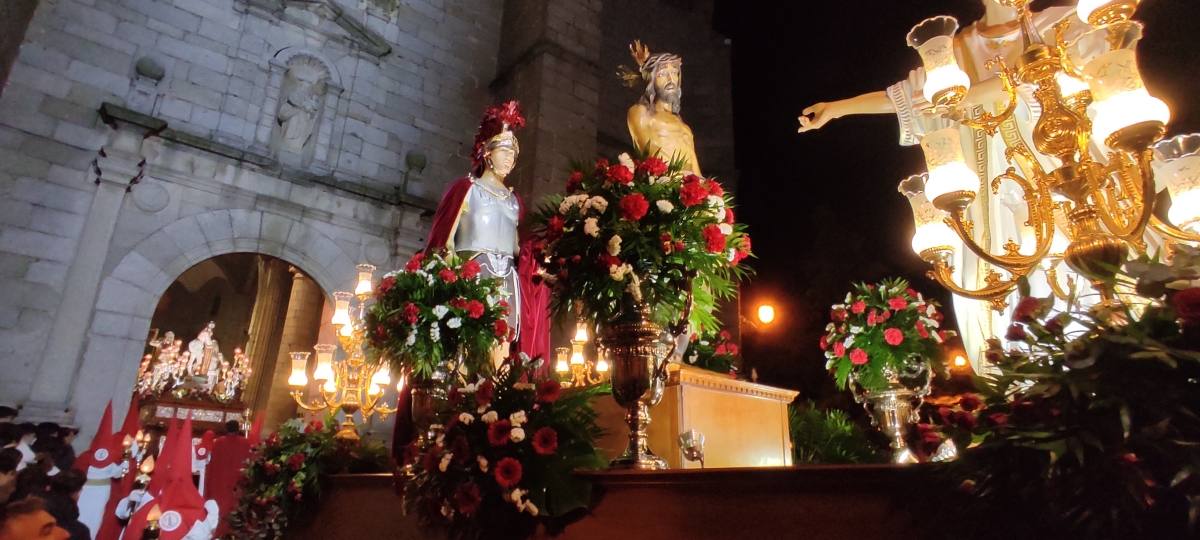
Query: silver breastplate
489, 224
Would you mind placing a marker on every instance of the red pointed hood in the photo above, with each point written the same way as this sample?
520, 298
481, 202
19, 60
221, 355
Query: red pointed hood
102, 452
158, 479
203, 450
255, 435
132, 424
181, 506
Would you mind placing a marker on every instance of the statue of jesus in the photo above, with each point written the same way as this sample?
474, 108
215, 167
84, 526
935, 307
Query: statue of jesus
654, 122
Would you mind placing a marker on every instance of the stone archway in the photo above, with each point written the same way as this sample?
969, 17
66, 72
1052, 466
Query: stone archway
130, 291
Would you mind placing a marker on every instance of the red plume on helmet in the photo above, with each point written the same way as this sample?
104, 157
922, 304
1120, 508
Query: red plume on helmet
496, 120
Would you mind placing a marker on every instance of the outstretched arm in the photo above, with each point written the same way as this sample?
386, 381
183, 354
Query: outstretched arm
816, 116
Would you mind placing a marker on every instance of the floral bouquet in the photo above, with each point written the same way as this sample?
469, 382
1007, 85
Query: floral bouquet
879, 328
643, 229
435, 309
503, 460
282, 478
714, 351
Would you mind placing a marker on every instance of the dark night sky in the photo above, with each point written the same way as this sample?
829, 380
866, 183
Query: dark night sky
823, 207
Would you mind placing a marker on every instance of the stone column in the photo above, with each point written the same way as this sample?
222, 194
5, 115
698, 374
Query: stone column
49, 395
270, 304
300, 329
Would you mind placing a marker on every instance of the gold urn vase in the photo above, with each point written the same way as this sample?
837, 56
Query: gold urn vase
632, 343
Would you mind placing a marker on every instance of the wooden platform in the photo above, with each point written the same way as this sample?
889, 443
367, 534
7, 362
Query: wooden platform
811, 502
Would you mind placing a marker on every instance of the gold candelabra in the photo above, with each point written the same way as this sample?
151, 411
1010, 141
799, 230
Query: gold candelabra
1098, 126
573, 366
352, 384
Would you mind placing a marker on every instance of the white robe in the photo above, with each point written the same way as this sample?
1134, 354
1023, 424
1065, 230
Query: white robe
94, 496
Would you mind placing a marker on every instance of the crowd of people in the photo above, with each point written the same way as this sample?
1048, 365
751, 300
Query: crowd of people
41, 479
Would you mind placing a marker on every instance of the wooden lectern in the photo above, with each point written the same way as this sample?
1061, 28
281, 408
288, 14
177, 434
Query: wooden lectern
744, 424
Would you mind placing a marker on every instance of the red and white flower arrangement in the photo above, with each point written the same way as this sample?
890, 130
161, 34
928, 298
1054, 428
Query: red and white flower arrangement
437, 307
645, 229
881, 326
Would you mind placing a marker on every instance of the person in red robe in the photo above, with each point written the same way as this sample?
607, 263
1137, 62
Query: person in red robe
229, 455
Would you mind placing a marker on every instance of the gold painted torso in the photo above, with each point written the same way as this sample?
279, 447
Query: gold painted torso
665, 134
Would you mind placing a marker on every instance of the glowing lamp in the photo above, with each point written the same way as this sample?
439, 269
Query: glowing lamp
1069, 87
324, 371
299, 376
330, 386
581, 332
1177, 166
560, 364
945, 82
766, 313
602, 365
365, 273
382, 378
932, 233
1101, 12
960, 361
950, 178
147, 466
341, 309
1109, 58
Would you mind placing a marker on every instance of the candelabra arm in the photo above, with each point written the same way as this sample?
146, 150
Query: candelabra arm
1040, 217
988, 122
298, 396
1110, 213
1060, 44
1171, 231
993, 292
1056, 287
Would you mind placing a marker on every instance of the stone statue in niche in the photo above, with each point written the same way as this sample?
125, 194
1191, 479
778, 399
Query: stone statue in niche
301, 100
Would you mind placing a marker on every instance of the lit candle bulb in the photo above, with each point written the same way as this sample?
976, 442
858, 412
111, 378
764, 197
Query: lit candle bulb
365, 274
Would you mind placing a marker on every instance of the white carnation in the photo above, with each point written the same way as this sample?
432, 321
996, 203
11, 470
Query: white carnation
664, 206
726, 229
618, 273
517, 418
614, 245
517, 434
466, 418
591, 227
411, 339
627, 161
489, 417
531, 508
454, 323
716, 201
483, 463
440, 311
600, 204
445, 461
435, 333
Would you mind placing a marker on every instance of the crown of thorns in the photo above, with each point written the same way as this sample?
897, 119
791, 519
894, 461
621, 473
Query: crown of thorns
646, 64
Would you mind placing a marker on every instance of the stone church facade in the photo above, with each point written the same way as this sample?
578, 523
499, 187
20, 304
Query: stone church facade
139, 138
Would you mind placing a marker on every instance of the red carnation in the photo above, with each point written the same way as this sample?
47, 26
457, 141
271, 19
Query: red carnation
574, 182
838, 315
474, 309
729, 216
714, 188
912, 293
714, 239
484, 393
839, 349
296, 461
1016, 332
507, 472
898, 303
858, 357
545, 441
601, 165
970, 402
620, 174
824, 343
922, 331
501, 328
555, 226
680, 246
893, 336
692, 192
548, 391
722, 349
653, 166
885, 315
498, 432
415, 262
634, 206
448, 275
858, 307
458, 303
467, 498
386, 284
315, 425
470, 270
872, 318
411, 312
666, 242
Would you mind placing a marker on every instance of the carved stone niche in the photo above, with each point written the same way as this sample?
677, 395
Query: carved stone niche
304, 96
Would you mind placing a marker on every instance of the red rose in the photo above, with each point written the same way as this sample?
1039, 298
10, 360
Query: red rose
470, 270
1026, 309
575, 181
653, 166
714, 239
970, 402
620, 174
501, 328
692, 192
474, 309
548, 391
554, 226
484, 393
965, 420
824, 343
411, 312
498, 432
893, 336
897, 303
467, 498
448, 275
1016, 332
1187, 306
386, 284
634, 206
415, 262
296, 461
381, 332
839, 349
545, 441
507, 472
714, 188
859, 357
858, 307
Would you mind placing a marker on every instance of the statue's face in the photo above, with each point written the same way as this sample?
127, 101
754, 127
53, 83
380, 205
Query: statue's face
667, 87
502, 160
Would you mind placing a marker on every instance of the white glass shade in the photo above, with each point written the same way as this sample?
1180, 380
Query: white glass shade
948, 170
581, 332
1069, 87
1177, 166
934, 40
381, 377
298, 378
931, 230
560, 364
577, 358
1108, 56
324, 371
365, 273
602, 365
330, 386
341, 309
